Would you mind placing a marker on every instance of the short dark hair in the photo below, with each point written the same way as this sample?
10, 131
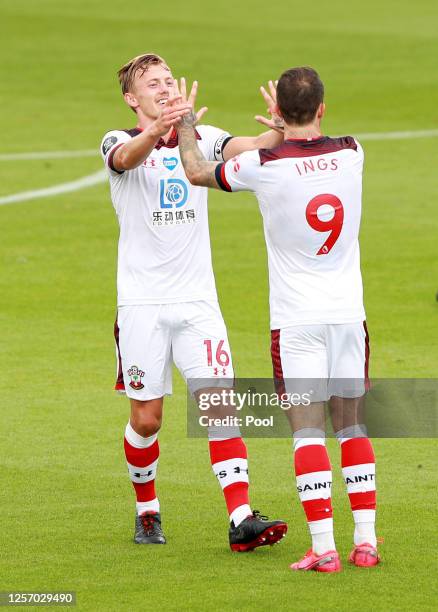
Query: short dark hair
300, 91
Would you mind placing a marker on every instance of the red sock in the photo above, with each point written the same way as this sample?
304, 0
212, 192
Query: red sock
142, 458
314, 484
314, 479
359, 472
230, 465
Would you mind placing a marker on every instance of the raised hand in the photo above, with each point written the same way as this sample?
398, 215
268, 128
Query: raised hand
171, 114
181, 90
275, 122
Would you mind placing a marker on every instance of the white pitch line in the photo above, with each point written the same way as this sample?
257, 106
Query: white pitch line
398, 135
95, 152
86, 181
101, 176
48, 155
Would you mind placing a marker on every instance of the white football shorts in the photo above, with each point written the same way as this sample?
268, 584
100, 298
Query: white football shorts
323, 360
151, 337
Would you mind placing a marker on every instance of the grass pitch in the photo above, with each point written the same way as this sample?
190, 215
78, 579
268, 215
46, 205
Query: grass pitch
67, 506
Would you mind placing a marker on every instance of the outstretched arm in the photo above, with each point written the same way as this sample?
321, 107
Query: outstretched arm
133, 153
205, 173
199, 171
267, 140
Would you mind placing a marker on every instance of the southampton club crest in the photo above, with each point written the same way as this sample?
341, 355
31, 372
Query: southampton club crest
136, 375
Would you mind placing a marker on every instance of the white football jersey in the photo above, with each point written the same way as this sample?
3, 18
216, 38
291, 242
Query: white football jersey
309, 193
164, 253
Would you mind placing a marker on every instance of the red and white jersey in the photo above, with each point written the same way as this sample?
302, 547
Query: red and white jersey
309, 193
164, 253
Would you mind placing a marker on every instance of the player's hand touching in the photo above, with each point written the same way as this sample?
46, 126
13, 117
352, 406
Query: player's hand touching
171, 114
132, 153
198, 170
276, 121
181, 90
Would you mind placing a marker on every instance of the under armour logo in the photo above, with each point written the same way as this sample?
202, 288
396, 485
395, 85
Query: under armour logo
216, 371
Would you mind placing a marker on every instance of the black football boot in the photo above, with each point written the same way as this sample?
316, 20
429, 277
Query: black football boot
148, 529
256, 530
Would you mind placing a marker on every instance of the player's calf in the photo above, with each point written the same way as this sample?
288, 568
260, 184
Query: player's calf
142, 459
359, 472
229, 461
314, 483
230, 465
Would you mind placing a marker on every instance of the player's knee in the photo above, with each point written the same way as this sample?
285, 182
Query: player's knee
145, 418
146, 425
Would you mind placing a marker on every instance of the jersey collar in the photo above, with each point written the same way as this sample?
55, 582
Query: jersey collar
171, 143
320, 137
173, 140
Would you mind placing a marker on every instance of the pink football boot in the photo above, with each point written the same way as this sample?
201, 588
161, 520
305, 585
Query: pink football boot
328, 562
364, 555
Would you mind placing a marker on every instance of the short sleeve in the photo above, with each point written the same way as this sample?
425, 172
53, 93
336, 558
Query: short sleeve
240, 173
359, 159
213, 141
109, 145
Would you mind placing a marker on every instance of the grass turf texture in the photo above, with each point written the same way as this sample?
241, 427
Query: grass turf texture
67, 505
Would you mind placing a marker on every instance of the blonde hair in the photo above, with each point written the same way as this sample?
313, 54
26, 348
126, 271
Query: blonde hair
141, 63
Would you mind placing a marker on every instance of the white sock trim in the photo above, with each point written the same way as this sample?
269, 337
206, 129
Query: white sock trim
308, 436
219, 433
137, 440
364, 527
354, 431
322, 526
240, 514
150, 506
322, 536
364, 516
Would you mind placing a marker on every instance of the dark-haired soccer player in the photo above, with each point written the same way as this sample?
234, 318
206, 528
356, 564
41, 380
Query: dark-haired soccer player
167, 303
309, 191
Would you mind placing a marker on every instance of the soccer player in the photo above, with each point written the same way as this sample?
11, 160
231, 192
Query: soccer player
309, 193
167, 302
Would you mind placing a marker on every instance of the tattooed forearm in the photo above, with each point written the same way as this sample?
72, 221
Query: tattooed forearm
188, 120
198, 170
191, 156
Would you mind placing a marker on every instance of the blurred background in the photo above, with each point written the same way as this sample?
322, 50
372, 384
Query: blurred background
67, 506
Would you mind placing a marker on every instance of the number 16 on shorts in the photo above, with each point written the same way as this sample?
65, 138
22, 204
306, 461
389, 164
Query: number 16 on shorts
217, 357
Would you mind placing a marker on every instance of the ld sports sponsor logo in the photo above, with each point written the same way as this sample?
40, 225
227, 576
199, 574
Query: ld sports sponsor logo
174, 194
